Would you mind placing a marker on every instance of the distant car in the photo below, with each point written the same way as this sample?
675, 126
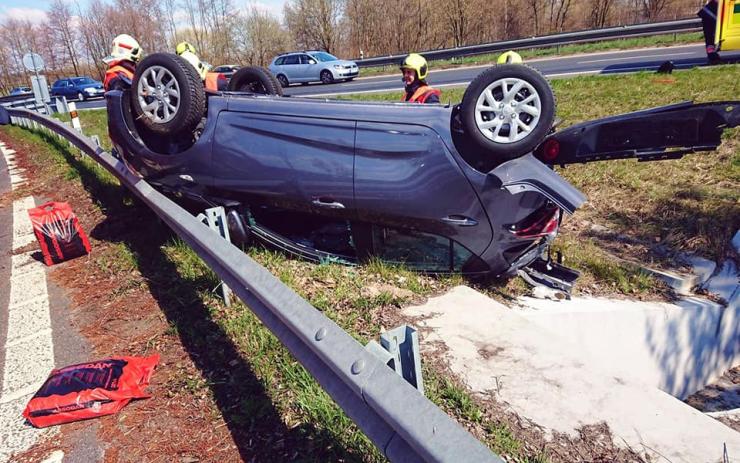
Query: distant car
81, 88
227, 70
312, 66
21, 91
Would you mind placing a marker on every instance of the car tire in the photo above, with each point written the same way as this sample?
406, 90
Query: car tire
254, 79
326, 77
283, 80
80, 96
188, 99
518, 120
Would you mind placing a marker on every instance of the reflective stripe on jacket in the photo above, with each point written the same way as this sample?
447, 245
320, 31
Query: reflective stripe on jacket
421, 94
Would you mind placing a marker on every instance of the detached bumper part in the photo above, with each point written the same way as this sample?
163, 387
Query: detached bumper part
551, 275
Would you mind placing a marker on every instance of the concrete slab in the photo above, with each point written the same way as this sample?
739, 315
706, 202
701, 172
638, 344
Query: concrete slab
726, 282
701, 267
545, 378
678, 348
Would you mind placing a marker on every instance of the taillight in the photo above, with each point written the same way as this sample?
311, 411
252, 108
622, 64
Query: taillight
550, 150
542, 222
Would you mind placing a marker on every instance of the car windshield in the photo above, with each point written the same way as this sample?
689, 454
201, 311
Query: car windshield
83, 80
323, 56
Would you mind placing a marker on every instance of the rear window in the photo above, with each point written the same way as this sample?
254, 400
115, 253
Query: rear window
279, 61
60, 83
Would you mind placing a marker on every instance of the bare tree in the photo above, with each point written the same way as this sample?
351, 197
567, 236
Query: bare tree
314, 23
600, 12
60, 22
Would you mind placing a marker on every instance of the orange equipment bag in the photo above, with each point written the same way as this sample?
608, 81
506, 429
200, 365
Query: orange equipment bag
90, 390
58, 232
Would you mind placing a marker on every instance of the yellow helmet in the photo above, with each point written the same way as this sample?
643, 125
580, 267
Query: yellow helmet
416, 62
182, 47
510, 57
124, 47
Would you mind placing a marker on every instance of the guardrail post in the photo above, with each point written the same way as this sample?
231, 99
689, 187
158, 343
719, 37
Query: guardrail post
75, 116
215, 218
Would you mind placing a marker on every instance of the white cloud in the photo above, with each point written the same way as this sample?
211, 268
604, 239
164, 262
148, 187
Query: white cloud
35, 15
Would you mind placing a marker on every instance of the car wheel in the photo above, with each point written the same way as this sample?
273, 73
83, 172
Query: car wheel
283, 80
326, 77
80, 97
508, 110
254, 79
168, 95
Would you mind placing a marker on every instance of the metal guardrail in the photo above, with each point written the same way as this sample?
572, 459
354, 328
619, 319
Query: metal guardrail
401, 422
567, 38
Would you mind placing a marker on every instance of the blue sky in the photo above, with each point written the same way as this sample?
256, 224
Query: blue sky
34, 9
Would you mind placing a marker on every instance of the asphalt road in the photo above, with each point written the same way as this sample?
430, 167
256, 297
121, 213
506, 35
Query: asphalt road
683, 57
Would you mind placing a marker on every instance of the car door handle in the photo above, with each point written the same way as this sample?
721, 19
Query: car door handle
327, 203
460, 220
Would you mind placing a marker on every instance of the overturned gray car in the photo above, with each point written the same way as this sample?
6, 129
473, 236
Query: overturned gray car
440, 188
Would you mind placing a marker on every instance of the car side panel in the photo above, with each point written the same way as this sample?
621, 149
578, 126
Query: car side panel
291, 162
405, 177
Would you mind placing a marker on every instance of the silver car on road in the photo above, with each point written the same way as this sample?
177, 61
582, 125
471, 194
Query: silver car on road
312, 66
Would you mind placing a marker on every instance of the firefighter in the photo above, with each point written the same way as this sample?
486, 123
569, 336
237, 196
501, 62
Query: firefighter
708, 15
210, 79
414, 68
124, 55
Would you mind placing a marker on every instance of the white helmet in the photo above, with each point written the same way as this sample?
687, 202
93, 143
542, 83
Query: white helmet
124, 47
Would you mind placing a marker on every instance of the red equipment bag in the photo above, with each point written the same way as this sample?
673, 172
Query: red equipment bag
58, 232
90, 390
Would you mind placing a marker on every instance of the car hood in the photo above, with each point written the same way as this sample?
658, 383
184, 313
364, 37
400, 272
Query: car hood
344, 63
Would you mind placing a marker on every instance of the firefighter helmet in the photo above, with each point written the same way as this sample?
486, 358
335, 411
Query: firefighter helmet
510, 57
416, 62
124, 47
182, 47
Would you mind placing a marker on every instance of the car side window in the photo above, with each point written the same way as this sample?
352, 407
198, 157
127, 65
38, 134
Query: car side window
293, 59
304, 59
279, 61
418, 250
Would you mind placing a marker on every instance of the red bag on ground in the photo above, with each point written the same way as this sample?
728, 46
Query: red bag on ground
58, 232
90, 390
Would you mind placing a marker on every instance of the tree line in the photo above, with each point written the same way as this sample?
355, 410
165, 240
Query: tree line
74, 39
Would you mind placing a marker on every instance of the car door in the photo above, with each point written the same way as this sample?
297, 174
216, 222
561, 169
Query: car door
303, 68
406, 178
303, 163
291, 68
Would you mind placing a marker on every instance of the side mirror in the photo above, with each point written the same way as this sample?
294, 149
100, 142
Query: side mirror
312, 61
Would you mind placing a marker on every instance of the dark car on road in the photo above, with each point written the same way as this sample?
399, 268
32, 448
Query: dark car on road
441, 188
80, 88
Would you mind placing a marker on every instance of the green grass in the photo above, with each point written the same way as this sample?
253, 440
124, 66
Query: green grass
490, 58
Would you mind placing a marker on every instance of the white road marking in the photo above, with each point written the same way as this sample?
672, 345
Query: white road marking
29, 350
631, 58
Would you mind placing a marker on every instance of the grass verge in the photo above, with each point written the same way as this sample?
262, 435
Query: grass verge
609, 45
